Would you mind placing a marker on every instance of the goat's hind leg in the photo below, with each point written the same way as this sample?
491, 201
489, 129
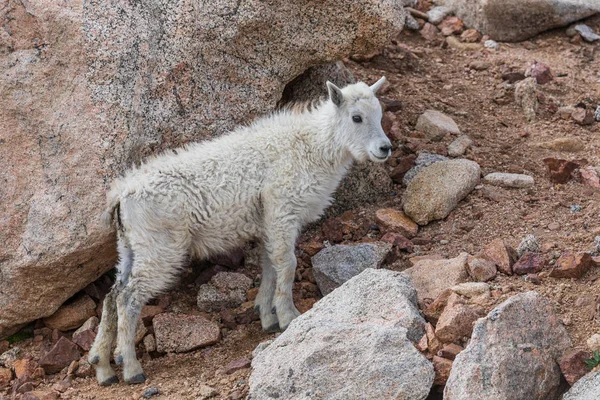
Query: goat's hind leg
264, 299
99, 354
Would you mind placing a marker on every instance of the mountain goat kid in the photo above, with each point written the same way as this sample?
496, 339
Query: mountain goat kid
264, 181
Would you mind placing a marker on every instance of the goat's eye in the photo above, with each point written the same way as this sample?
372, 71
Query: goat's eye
357, 118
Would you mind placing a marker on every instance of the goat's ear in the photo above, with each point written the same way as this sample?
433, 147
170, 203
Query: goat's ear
335, 94
377, 85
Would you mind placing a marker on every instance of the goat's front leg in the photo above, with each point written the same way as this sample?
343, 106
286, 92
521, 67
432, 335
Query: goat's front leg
280, 249
264, 299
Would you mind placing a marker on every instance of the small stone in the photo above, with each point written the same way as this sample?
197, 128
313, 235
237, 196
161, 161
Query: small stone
593, 343
72, 367
568, 144
332, 230
442, 367
501, 254
429, 31
235, 395
560, 170
529, 263
586, 33
526, 98
589, 176
59, 356
311, 248
450, 351
583, 116
25, 387
237, 365
405, 164
513, 77
481, 270
337, 264
226, 281
422, 161
491, 44
9, 357
72, 315
5, 377
149, 312
541, 72
150, 392
451, 26
455, 43
597, 114
179, 333
24, 368
456, 321
572, 265
433, 342
206, 392
422, 344
554, 226
211, 299
392, 220
84, 336
479, 65
529, 243
572, 365
150, 343
437, 14
509, 180
398, 241
533, 278
436, 125
459, 146
84, 368
470, 36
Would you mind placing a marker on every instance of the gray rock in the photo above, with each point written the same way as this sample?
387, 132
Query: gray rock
516, 20
438, 188
9, 357
335, 265
530, 244
509, 180
526, 97
491, 44
459, 146
586, 33
597, 114
438, 13
411, 23
432, 277
423, 160
227, 281
587, 388
436, 125
211, 299
133, 79
512, 353
351, 343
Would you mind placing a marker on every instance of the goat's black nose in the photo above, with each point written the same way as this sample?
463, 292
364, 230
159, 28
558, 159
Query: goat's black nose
386, 148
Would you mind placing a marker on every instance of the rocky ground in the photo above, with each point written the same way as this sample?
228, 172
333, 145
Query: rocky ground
474, 86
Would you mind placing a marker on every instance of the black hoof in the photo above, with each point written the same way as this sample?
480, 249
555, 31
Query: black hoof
139, 378
119, 360
110, 381
273, 328
94, 360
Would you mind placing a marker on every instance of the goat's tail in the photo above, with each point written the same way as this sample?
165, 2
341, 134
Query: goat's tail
112, 210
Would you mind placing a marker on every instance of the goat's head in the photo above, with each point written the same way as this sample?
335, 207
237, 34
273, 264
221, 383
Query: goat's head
359, 115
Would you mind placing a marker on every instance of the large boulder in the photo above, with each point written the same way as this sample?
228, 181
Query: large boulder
353, 341
516, 20
587, 388
87, 90
512, 354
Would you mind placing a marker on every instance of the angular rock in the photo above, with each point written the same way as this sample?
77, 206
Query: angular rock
529, 263
405, 164
459, 146
435, 125
480, 269
587, 388
560, 170
431, 277
185, 72
520, 341
572, 265
442, 368
85, 335
526, 98
354, 325
9, 357
509, 180
515, 21
5, 377
84, 368
429, 31
568, 144
225, 290
589, 176
451, 26
423, 160
179, 333
236, 365
59, 356
450, 351
470, 36
480, 65
530, 244
456, 322
501, 254
24, 368
572, 365
438, 188
541, 72
231, 281
149, 312
513, 77
392, 220
586, 33
72, 315
438, 13
398, 242
583, 116
335, 265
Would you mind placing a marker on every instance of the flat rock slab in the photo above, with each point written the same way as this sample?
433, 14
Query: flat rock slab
59, 356
438, 188
337, 264
353, 341
512, 354
72, 315
509, 180
179, 333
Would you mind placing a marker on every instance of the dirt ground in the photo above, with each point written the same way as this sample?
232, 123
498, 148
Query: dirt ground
427, 75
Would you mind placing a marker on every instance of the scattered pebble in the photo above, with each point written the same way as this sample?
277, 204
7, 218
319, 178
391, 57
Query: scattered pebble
509, 180
597, 114
459, 146
437, 14
586, 33
149, 392
529, 243
575, 208
541, 72
526, 97
492, 44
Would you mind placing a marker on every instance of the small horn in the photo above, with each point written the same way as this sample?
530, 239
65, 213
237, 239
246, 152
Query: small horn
377, 85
